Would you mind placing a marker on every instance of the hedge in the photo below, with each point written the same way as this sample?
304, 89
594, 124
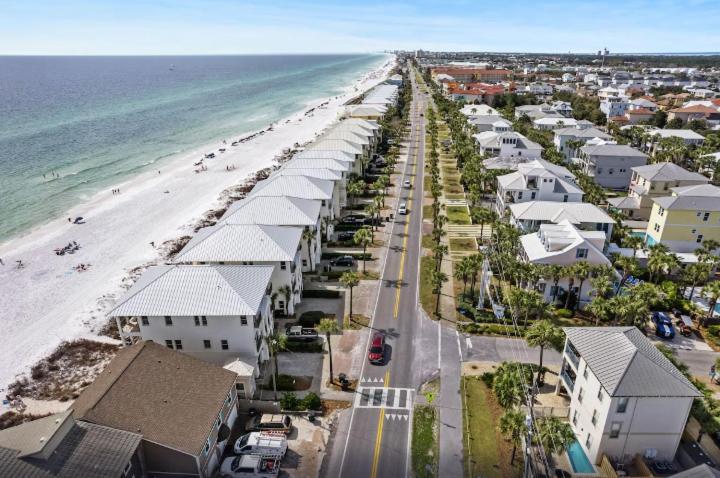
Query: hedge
320, 294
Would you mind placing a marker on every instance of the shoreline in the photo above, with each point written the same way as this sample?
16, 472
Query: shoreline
50, 300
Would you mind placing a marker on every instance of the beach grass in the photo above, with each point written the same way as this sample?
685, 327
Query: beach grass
425, 435
458, 215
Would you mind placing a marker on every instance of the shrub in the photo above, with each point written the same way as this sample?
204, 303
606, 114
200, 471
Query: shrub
563, 313
488, 378
320, 294
285, 382
714, 330
289, 401
311, 401
315, 347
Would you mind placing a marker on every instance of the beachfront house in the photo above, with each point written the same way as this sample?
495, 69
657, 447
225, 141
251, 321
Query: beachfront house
354, 165
529, 216
564, 244
686, 218
626, 398
507, 144
251, 244
184, 408
358, 140
343, 169
286, 212
366, 112
537, 180
610, 165
353, 149
580, 134
60, 446
367, 129
216, 313
653, 180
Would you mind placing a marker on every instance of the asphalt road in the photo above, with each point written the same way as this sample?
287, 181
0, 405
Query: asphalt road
374, 441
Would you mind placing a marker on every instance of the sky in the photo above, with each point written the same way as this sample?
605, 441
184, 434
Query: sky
190, 27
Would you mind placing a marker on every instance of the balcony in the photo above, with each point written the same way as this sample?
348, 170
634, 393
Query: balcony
567, 379
572, 355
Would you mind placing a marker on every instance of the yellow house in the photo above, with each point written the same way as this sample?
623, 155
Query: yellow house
685, 219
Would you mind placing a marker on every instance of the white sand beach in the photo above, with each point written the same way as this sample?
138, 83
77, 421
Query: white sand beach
48, 300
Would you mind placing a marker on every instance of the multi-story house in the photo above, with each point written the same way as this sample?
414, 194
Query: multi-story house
553, 123
184, 408
685, 219
250, 244
304, 188
215, 313
582, 134
653, 180
286, 211
610, 165
689, 137
619, 385
564, 244
614, 106
529, 216
536, 180
494, 123
329, 169
507, 144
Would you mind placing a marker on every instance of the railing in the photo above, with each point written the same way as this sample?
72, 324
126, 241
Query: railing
574, 358
569, 382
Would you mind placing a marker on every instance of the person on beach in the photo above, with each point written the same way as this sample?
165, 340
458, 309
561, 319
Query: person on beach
152, 244
1, 262
70, 220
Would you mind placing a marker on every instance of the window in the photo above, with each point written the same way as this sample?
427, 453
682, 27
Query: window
541, 287
574, 420
323, 202
565, 198
699, 238
178, 344
168, 320
693, 232
144, 320
698, 214
622, 404
204, 320
532, 195
581, 392
600, 396
656, 227
304, 263
615, 429
207, 344
594, 417
243, 320
581, 253
520, 194
169, 344
706, 216
197, 321
599, 170
585, 372
661, 211
224, 344
239, 386
588, 441
283, 266
206, 448
611, 170
281, 305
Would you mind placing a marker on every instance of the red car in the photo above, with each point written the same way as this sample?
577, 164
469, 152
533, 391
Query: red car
376, 354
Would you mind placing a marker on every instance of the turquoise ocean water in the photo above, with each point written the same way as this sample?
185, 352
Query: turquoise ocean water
97, 120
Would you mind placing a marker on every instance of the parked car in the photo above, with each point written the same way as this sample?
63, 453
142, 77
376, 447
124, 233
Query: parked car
269, 422
407, 184
298, 333
250, 466
663, 325
353, 219
261, 443
345, 235
343, 261
402, 209
376, 354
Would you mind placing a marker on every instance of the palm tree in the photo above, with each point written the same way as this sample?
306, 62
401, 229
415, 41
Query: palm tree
372, 210
544, 334
582, 271
603, 309
696, 274
309, 236
437, 279
276, 343
349, 280
439, 251
634, 242
363, 237
706, 253
512, 426
554, 434
573, 145
355, 188
327, 327
629, 266
463, 269
711, 292
660, 259
286, 291
509, 384
571, 283
555, 272
482, 216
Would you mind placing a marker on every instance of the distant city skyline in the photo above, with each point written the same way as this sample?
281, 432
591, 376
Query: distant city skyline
77, 27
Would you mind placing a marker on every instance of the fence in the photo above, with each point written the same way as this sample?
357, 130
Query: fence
540, 411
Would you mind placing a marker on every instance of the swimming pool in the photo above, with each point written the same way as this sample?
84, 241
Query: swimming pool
578, 459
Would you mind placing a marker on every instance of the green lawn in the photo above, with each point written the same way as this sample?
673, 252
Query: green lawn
458, 215
424, 446
427, 241
488, 454
427, 212
462, 244
427, 298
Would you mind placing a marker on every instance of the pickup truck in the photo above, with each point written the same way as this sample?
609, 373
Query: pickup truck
250, 466
267, 444
297, 333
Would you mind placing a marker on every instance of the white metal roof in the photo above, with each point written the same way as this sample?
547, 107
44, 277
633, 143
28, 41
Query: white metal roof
241, 243
326, 153
575, 212
294, 186
317, 163
336, 144
211, 290
286, 211
317, 173
627, 364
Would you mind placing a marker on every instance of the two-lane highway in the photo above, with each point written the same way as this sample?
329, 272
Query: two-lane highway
376, 443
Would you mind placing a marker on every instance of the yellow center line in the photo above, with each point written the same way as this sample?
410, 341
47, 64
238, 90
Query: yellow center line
378, 436
404, 248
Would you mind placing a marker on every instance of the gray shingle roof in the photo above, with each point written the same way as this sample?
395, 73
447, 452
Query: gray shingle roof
698, 203
709, 190
627, 364
286, 211
211, 290
667, 172
169, 397
86, 450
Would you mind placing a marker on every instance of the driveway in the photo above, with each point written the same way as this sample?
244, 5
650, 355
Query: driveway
682, 343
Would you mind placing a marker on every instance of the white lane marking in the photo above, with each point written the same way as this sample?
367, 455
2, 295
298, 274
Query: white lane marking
457, 336
439, 343
468, 342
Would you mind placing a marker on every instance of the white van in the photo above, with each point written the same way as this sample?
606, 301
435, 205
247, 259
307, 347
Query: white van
272, 444
402, 209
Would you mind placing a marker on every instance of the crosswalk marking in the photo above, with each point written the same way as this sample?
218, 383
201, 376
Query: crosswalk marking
390, 398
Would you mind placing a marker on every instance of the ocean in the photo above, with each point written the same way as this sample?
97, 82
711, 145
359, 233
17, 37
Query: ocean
70, 126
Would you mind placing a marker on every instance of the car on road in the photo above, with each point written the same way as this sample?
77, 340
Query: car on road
663, 325
402, 209
407, 184
376, 354
343, 261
